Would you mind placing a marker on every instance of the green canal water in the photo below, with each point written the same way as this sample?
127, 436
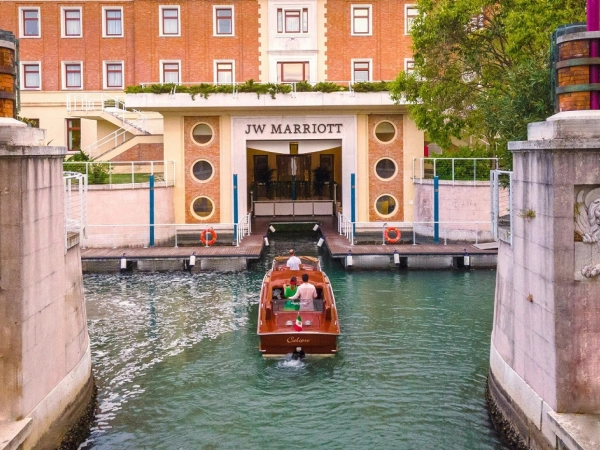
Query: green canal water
176, 362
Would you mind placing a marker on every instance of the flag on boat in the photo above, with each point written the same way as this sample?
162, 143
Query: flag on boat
298, 324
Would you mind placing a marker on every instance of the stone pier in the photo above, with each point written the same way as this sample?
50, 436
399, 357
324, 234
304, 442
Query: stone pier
544, 382
46, 379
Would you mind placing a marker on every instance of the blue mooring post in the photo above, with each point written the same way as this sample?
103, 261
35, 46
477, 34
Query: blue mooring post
436, 211
353, 202
235, 208
151, 210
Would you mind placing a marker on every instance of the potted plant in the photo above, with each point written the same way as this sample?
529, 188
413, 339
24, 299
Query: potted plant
321, 176
263, 176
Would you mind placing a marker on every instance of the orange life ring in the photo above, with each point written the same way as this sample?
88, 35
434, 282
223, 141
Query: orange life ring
393, 240
212, 233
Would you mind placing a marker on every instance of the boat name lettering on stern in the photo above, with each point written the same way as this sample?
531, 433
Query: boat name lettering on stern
297, 340
296, 128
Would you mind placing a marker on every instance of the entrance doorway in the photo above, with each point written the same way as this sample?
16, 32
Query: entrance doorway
293, 176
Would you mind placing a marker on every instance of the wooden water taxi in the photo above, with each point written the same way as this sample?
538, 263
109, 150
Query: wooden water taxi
282, 328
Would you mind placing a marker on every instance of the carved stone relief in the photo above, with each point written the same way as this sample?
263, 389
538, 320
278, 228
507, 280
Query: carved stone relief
587, 232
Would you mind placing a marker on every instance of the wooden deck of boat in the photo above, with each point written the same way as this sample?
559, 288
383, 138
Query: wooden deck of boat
251, 246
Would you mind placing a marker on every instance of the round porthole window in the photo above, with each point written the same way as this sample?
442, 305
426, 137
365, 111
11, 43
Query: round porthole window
385, 205
202, 133
385, 168
202, 170
385, 131
202, 207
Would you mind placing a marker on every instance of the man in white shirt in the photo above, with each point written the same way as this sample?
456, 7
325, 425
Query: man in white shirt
307, 293
294, 262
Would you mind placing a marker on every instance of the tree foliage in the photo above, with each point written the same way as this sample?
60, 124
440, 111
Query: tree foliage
482, 67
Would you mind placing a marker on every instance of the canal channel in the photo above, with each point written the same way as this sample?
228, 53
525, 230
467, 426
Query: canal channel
177, 366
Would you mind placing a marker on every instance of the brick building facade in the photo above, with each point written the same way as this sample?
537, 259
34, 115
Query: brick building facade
75, 53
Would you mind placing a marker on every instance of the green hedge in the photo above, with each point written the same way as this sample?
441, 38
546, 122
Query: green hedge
272, 89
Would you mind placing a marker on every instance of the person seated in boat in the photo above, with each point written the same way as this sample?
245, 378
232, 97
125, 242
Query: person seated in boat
306, 293
293, 262
290, 290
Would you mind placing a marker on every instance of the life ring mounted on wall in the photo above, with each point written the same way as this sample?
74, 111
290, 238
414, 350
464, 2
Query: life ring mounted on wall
392, 240
213, 235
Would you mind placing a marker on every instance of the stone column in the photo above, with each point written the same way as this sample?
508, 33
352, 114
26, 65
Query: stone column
545, 353
45, 363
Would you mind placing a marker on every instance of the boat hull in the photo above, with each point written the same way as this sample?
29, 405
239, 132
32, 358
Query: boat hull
311, 343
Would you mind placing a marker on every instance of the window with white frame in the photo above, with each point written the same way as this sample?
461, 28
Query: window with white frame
112, 22
169, 21
31, 77
71, 22
291, 72
361, 20
409, 65
113, 75
223, 21
29, 22
361, 70
170, 71
73, 75
292, 21
224, 72
410, 14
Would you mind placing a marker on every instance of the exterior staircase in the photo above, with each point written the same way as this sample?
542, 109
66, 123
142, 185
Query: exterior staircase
132, 125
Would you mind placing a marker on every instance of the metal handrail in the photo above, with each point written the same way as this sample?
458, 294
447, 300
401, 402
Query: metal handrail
88, 102
348, 228
117, 233
75, 204
243, 228
495, 186
110, 168
421, 171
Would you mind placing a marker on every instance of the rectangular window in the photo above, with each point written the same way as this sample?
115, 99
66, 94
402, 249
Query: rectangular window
30, 22
31, 75
410, 13
113, 75
113, 22
170, 72
409, 65
224, 72
361, 70
169, 23
72, 75
292, 21
292, 71
71, 25
361, 20
73, 135
223, 20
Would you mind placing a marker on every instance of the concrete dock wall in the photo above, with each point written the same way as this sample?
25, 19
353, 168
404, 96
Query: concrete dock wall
466, 201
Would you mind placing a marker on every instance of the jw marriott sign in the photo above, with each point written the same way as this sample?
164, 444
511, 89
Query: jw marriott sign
295, 128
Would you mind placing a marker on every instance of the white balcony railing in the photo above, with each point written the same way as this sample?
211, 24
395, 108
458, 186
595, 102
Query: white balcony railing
134, 174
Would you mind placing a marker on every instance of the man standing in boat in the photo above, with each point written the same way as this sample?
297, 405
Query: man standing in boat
293, 262
307, 293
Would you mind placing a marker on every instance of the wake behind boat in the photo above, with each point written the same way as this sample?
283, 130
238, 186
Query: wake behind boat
282, 327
